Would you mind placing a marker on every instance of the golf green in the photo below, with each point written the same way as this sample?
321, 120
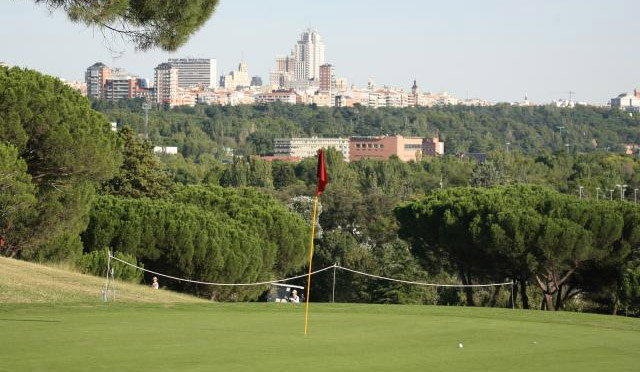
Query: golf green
269, 337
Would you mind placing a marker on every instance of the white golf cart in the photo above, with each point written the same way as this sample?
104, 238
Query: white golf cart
283, 292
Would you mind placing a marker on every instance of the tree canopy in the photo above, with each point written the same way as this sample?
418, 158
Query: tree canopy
68, 150
147, 23
522, 233
205, 234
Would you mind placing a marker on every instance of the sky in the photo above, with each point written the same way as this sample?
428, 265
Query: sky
491, 49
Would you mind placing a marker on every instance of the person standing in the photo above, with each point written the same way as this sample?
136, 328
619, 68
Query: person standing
294, 297
155, 284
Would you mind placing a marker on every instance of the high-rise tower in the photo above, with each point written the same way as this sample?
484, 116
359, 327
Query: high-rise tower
303, 64
310, 51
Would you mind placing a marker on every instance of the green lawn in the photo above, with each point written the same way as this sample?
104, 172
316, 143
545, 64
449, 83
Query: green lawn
269, 337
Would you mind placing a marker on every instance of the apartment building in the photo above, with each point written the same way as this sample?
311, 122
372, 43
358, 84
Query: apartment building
95, 77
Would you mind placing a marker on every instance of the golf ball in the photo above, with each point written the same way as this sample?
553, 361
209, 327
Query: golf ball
460, 346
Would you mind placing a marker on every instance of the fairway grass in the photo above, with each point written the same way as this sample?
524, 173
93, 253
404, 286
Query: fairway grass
269, 337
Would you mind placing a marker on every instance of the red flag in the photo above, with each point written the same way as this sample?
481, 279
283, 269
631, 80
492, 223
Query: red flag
323, 179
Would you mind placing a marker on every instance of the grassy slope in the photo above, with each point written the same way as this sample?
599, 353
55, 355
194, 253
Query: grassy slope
25, 282
268, 337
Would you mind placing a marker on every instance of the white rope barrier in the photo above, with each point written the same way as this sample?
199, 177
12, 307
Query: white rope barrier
335, 266
422, 283
220, 284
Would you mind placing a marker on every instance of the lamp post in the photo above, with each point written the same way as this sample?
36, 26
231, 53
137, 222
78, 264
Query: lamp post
622, 190
508, 143
611, 194
580, 190
560, 128
597, 193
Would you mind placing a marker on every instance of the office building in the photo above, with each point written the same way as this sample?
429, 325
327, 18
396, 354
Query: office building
256, 81
236, 79
308, 147
405, 148
196, 72
627, 102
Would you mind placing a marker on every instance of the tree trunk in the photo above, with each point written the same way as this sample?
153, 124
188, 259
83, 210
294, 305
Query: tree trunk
496, 295
523, 294
468, 291
548, 301
559, 299
514, 299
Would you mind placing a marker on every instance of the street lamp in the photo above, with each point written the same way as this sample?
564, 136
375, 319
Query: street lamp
597, 193
622, 190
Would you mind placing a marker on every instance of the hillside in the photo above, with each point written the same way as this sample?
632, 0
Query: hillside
25, 282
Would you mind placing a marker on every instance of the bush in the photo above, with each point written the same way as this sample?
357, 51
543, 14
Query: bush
95, 263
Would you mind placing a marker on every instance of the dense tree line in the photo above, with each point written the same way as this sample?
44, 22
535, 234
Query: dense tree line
204, 234
532, 235
250, 129
70, 186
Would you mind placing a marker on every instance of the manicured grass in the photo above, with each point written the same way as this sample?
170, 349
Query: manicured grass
269, 337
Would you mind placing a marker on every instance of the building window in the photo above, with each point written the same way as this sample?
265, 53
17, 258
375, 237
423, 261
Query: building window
412, 146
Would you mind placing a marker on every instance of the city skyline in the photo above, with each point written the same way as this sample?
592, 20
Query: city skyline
498, 50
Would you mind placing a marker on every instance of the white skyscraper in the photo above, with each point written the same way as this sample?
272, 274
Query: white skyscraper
196, 71
303, 64
310, 51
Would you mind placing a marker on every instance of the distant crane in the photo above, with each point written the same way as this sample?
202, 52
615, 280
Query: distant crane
569, 92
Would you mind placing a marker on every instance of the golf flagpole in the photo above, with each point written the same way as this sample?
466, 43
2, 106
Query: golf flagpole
323, 180
313, 228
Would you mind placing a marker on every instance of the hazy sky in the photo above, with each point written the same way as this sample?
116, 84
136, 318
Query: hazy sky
491, 49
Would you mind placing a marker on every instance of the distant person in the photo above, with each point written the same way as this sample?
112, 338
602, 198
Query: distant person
294, 297
155, 284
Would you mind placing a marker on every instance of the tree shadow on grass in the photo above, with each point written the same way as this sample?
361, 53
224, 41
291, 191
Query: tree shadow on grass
30, 320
